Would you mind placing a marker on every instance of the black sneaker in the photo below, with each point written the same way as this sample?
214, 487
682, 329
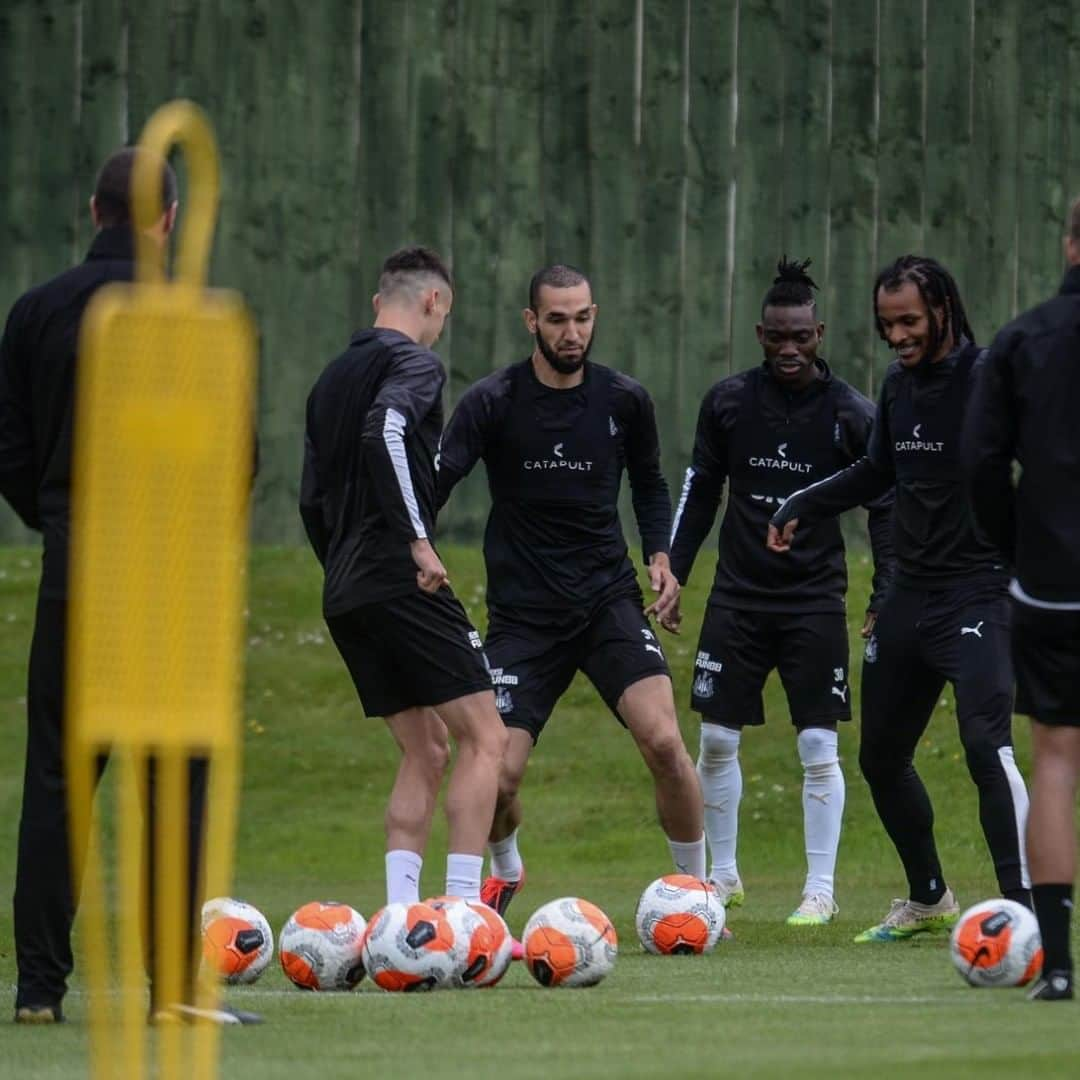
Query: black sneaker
1052, 986
39, 1014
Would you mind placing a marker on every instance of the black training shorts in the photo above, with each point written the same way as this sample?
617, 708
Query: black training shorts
409, 651
737, 650
1046, 656
531, 666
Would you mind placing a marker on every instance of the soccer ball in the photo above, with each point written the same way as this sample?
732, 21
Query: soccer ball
501, 949
412, 947
320, 946
677, 914
237, 942
997, 943
569, 942
481, 939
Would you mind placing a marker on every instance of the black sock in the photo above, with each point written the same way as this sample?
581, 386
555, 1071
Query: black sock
928, 891
1020, 896
1054, 907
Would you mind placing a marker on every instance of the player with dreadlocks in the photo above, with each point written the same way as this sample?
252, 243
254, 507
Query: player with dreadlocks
766, 432
946, 618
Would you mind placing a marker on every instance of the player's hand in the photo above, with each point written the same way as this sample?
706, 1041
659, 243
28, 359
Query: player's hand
431, 575
868, 626
664, 583
671, 620
781, 541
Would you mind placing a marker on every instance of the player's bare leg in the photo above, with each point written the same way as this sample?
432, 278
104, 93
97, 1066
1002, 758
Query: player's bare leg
507, 870
1051, 849
648, 708
425, 753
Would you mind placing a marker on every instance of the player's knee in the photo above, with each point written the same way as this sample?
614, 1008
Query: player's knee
664, 752
719, 745
818, 748
877, 765
983, 755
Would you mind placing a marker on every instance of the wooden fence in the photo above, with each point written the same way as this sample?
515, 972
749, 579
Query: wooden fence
673, 148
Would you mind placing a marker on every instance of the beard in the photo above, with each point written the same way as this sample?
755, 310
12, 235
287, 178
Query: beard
563, 366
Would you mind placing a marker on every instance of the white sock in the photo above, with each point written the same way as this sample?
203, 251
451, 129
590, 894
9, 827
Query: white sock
721, 785
505, 858
403, 876
689, 858
463, 875
823, 807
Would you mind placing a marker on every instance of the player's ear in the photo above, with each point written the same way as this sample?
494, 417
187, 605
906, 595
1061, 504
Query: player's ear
820, 332
95, 217
760, 331
376, 301
530, 319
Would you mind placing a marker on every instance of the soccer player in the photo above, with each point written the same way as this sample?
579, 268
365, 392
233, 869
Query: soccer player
1025, 408
367, 499
946, 617
555, 432
769, 431
38, 365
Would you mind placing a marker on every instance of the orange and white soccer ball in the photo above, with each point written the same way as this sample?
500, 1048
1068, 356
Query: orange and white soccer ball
320, 946
569, 942
997, 943
412, 947
482, 942
679, 914
237, 942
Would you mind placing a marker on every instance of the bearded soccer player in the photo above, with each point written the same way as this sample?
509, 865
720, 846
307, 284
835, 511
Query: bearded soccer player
555, 432
1025, 410
767, 432
367, 499
946, 617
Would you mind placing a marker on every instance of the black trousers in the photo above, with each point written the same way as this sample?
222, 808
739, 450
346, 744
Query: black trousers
923, 639
46, 893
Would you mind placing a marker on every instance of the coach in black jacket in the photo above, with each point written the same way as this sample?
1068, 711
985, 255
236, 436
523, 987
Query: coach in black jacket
38, 364
1025, 408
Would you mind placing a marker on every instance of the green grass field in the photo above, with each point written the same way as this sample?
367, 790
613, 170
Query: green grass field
775, 1002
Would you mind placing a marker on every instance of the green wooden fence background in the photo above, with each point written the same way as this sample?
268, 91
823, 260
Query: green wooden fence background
673, 148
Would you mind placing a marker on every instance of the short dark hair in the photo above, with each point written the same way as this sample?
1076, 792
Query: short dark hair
556, 276
792, 286
938, 289
112, 191
409, 263
1074, 220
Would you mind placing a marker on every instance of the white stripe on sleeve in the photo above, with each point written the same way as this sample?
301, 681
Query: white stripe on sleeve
394, 437
687, 481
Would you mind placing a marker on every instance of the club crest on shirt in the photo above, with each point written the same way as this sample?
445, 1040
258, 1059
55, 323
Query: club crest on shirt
704, 687
871, 650
504, 703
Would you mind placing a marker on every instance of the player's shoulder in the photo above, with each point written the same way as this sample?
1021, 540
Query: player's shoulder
496, 386
848, 396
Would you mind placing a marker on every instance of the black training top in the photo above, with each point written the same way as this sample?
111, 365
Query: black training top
767, 441
368, 489
1025, 407
553, 545
37, 383
914, 444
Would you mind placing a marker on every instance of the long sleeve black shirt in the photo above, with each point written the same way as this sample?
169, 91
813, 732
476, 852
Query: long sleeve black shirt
374, 418
554, 546
1025, 408
829, 421
914, 444
38, 355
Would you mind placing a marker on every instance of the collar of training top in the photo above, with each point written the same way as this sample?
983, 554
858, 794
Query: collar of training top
113, 242
1071, 284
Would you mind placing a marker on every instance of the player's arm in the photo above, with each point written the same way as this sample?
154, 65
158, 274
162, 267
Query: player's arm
465, 438
989, 446
703, 485
18, 478
651, 500
410, 391
858, 485
856, 425
311, 502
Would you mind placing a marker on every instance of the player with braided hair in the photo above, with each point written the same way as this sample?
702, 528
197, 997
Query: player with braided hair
766, 432
946, 617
